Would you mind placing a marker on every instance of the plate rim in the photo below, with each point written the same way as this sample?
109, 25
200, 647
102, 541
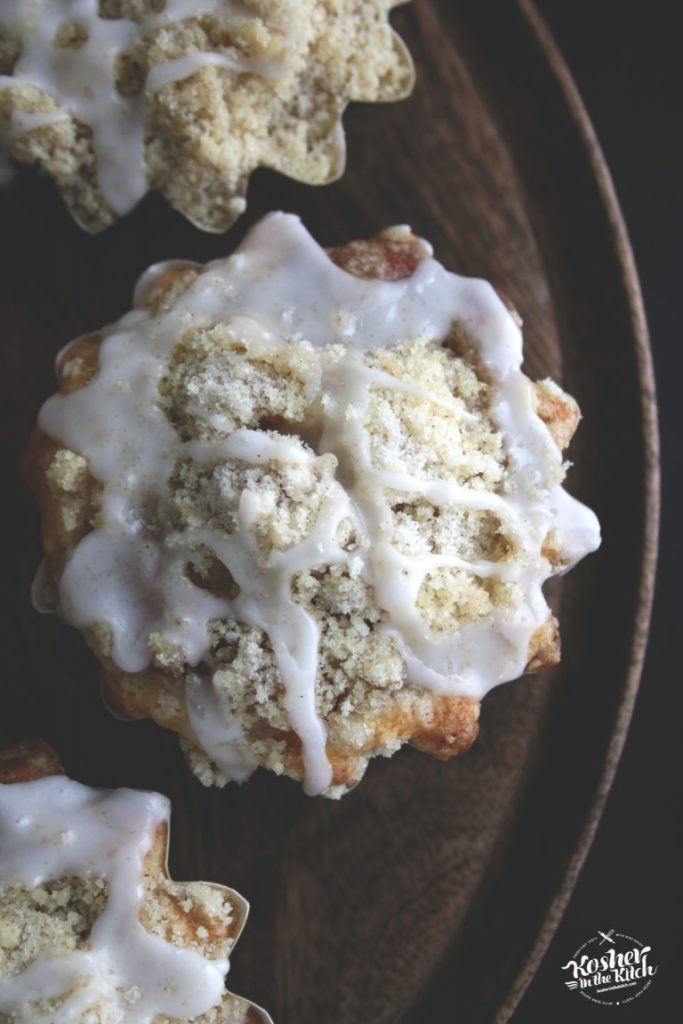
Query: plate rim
587, 138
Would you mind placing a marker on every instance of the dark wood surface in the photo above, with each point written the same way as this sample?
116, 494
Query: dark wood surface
626, 66
431, 886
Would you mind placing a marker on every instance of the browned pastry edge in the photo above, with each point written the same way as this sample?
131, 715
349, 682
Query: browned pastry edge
28, 760
391, 255
451, 726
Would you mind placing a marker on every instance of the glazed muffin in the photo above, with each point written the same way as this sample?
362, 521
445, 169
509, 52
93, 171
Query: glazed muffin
302, 504
92, 929
113, 98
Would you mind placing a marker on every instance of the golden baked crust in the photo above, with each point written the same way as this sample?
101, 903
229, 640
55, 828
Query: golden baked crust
57, 916
358, 726
276, 79
30, 759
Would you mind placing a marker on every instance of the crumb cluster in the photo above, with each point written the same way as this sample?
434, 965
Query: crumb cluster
53, 918
444, 432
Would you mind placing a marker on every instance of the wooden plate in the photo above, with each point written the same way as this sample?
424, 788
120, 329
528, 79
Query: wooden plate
431, 888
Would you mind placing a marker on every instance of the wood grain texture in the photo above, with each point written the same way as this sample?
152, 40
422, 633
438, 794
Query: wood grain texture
432, 889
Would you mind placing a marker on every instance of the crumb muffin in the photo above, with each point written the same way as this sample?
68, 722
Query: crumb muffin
116, 97
302, 504
92, 929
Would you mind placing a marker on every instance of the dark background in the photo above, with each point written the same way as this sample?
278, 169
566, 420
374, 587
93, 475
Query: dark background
625, 59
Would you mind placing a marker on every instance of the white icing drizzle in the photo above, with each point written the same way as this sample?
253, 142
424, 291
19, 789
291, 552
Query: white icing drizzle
82, 80
280, 287
54, 828
222, 736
